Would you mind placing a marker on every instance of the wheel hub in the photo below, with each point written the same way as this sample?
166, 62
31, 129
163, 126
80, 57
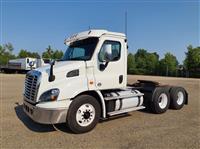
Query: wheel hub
180, 98
85, 114
162, 100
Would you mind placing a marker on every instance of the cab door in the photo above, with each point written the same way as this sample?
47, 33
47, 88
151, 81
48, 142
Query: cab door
110, 75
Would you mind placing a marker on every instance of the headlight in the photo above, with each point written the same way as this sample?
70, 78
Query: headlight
50, 95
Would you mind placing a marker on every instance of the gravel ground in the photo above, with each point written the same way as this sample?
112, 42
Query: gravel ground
139, 129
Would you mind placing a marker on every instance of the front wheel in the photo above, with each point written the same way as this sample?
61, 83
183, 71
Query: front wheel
83, 114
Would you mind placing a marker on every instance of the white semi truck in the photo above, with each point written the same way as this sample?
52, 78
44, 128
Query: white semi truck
23, 65
20, 65
90, 83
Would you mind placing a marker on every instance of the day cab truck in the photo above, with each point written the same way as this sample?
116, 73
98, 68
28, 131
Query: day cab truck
90, 83
22, 65
19, 65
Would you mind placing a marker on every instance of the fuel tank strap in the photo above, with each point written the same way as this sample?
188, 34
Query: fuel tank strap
123, 96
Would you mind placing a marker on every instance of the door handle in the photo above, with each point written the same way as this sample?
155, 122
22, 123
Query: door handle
120, 79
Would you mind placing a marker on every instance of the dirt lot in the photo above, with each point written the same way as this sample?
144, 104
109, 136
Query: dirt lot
173, 129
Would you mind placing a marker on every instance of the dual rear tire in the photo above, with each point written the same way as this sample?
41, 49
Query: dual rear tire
165, 98
161, 100
178, 97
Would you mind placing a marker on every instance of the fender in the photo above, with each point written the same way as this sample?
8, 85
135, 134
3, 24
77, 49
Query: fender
97, 94
102, 103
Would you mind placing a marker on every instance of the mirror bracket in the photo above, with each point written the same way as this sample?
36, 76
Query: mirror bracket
102, 67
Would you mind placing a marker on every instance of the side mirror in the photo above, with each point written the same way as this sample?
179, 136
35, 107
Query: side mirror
106, 54
51, 75
31, 63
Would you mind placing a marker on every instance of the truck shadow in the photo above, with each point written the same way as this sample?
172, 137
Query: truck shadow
36, 127
42, 128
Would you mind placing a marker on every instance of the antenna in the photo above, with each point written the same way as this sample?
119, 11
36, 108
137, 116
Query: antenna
125, 23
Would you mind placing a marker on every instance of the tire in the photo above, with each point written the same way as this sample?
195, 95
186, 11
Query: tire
161, 101
178, 97
83, 114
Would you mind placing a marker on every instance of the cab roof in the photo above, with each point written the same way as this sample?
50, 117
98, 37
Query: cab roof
91, 33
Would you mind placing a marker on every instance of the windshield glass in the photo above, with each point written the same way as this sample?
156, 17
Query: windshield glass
81, 50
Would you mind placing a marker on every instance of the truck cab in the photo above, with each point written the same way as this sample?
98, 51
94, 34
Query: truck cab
90, 83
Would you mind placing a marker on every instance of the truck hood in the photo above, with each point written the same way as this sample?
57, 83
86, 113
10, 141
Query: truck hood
74, 85
62, 66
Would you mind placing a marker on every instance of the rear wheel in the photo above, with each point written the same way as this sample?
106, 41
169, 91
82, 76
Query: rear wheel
83, 114
161, 101
178, 97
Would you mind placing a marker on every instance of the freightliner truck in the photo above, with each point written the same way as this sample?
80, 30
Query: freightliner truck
23, 65
90, 83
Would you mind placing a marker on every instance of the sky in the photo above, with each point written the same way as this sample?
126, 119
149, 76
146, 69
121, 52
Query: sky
157, 26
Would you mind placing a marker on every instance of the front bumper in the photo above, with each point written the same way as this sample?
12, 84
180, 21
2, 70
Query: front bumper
45, 115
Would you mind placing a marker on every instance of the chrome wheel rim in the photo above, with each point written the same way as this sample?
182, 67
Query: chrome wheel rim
85, 115
163, 99
180, 98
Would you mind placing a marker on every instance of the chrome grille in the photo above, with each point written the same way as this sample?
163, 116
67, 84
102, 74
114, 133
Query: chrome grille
31, 81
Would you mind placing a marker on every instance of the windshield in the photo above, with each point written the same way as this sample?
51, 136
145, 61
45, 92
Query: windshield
81, 50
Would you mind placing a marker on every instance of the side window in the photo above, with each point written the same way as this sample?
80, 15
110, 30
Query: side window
116, 50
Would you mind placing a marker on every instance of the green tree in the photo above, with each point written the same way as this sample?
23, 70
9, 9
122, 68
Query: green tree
192, 61
8, 47
152, 63
50, 53
146, 63
57, 54
140, 59
35, 55
168, 65
24, 53
131, 65
6, 53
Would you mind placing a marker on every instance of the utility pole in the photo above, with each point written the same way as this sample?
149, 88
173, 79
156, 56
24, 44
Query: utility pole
125, 23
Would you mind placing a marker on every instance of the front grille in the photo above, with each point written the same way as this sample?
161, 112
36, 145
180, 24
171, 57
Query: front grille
30, 91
